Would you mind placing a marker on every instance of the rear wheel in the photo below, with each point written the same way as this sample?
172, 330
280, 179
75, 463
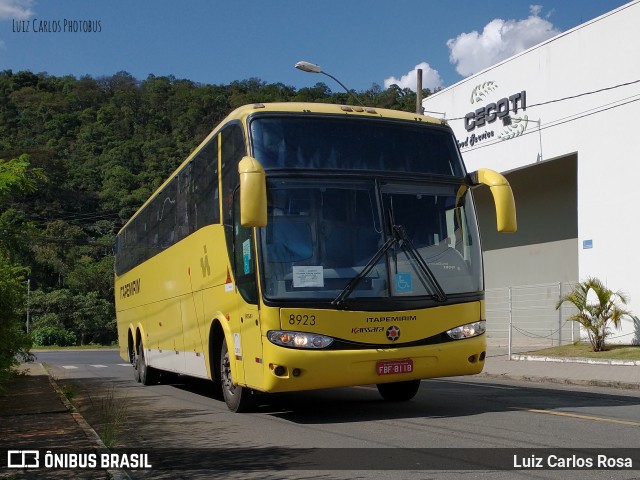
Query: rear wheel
133, 358
399, 391
148, 375
238, 399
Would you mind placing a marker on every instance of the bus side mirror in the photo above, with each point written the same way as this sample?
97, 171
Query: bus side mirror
502, 197
253, 193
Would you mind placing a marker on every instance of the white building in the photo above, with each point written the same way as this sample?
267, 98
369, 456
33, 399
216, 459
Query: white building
572, 155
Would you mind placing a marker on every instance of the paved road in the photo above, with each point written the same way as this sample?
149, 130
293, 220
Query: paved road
453, 413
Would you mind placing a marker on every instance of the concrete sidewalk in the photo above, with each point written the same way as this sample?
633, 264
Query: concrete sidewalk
34, 414
571, 371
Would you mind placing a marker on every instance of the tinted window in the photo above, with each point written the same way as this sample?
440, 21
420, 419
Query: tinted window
186, 204
232, 151
315, 142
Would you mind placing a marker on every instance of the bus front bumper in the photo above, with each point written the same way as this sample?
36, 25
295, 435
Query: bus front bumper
288, 369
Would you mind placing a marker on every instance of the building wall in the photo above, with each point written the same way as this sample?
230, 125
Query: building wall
561, 120
545, 247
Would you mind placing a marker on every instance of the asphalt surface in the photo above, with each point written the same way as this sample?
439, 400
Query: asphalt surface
35, 412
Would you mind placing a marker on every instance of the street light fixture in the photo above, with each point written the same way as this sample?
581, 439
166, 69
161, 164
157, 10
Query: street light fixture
313, 68
309, 67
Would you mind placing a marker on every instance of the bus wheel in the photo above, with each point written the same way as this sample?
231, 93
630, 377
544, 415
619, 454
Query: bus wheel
399, 391
133, 355
148, 375
237, 398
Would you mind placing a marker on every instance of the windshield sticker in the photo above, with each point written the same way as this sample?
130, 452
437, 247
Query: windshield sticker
403, 283
308, 276
246, 256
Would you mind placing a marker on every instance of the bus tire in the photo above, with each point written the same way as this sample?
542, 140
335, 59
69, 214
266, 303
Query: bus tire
133, 357
399, 391
148, 375
238, 399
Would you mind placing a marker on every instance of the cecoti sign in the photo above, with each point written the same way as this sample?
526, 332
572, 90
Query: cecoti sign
493, 111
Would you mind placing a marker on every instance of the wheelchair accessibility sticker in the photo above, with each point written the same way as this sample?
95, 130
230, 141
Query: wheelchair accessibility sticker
403, 283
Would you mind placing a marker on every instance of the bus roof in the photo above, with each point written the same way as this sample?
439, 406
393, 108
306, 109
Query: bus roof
329, 109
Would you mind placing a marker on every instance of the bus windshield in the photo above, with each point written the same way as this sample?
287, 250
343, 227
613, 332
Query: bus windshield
320, 236
344, 143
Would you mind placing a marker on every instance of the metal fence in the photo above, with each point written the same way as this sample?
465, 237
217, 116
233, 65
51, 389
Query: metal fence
525, 317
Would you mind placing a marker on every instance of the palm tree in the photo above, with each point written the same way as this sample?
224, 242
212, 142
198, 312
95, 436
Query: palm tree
597, 307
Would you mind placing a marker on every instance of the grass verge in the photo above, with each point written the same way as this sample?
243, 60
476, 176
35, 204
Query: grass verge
112, 416
583, 350
37, 348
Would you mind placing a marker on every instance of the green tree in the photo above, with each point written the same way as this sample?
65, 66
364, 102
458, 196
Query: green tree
598, 308
394, 97
15, 176
60, 247
88, 317
90, 275
16, 236
93, 319
14, 340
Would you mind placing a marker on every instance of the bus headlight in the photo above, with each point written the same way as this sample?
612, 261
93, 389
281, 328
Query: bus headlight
299, 339
469, 330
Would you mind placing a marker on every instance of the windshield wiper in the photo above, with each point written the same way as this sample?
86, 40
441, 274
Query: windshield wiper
364, 272
399, 236
410, 249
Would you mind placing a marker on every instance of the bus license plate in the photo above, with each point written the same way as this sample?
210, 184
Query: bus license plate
389, 367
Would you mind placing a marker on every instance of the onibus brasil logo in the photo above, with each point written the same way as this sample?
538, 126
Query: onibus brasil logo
32, 459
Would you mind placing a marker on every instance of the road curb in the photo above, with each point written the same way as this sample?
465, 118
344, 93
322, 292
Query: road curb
562, 381
91, 434
589, 361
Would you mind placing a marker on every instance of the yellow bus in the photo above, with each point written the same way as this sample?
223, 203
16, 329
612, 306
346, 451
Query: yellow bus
307, 246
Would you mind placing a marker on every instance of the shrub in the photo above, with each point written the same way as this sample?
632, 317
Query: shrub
48, 335
598, 307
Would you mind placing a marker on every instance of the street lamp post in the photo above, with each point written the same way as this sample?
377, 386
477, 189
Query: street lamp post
313, 68
28, 301
539, 123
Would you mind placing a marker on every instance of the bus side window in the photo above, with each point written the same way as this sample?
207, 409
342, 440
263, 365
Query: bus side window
244, 258
232, 149
182, 205
204, 208
167, 215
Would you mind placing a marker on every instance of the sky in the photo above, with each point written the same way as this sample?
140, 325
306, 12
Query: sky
361, 42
